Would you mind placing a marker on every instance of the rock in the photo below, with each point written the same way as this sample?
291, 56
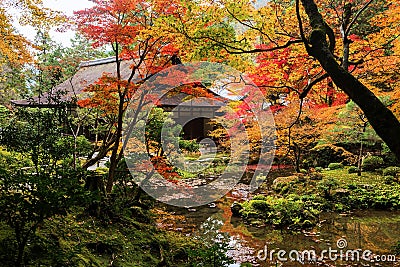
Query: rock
236, 208
212, 205
256, 223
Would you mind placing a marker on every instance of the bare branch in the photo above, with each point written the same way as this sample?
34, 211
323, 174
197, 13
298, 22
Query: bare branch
309, 86
357, 16
301, 29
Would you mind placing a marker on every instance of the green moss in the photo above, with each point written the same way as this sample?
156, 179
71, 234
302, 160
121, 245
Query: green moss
352, 169
393, 171
335, 166
293, 212
372, 163
296, 203
77, 239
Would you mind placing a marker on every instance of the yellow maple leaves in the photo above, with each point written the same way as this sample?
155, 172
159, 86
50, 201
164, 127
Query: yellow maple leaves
15, 48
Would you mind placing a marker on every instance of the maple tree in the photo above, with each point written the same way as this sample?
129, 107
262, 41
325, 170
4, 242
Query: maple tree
140, 49
353, 127
333, 38
296, 133
17, 53
380, 117
14, 48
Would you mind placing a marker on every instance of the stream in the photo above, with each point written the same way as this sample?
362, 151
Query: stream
364, 238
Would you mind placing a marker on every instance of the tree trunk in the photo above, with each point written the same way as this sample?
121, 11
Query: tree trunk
379, 116
359, 165
114, 155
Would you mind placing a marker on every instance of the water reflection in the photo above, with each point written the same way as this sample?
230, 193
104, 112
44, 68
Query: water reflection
377, 231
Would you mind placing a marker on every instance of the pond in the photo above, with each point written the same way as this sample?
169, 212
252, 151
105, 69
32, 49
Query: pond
358, 239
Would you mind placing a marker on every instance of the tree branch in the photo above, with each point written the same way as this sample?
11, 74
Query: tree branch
347, 31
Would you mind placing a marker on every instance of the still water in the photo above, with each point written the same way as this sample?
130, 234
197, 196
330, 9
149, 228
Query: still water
358, 239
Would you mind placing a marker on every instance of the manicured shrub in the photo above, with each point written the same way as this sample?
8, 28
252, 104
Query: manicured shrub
352, 169
322, 155
189, 145
319, 169
260, 197
372, 163
335, 166
393, 171
389, 179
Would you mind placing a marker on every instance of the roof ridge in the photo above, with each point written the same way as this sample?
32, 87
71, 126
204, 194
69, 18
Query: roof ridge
96, 62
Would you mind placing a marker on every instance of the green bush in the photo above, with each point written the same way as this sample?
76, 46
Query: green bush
352, 169
335, 166
189, 145
396, 248
293, 211
372, 163
393, 171
322, 155
319, 169
389, 179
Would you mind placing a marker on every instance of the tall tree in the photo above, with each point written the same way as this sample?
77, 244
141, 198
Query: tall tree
130, 28
15, 49
380, 117
334, 36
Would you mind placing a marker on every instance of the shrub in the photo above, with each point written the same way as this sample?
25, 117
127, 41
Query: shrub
316, 176
372, 163
335, 166
322, 155
319, 169
393, 171
189, 145
396, 248
389, 179
352, 169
